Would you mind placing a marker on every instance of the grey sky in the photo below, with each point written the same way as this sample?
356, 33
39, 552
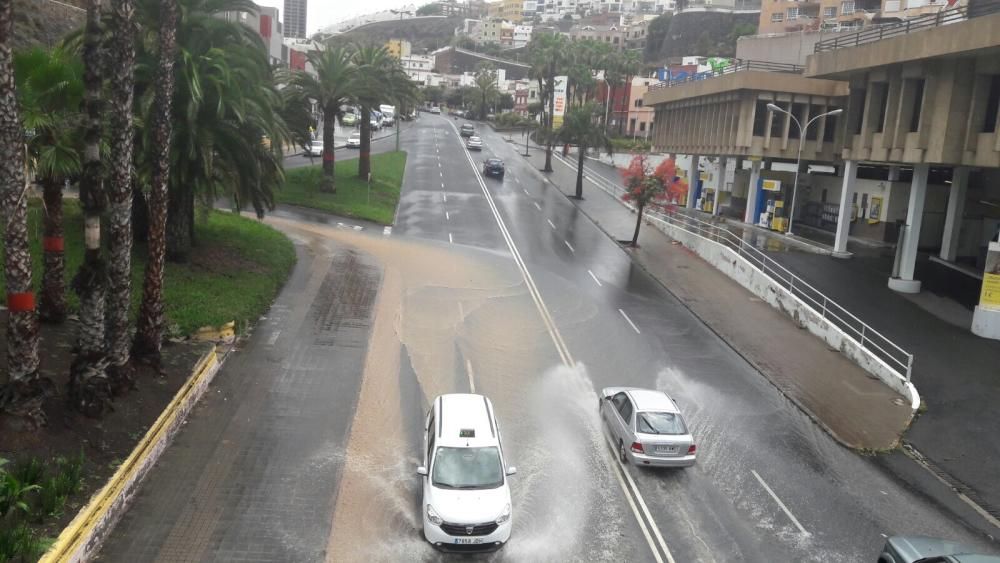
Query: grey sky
321, 13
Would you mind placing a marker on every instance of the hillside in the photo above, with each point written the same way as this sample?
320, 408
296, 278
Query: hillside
423, 33
709, 34
43, 23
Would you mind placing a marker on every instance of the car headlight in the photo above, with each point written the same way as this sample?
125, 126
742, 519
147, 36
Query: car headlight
505, 515
433, 516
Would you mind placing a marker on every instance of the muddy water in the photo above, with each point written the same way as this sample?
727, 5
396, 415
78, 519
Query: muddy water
442, 313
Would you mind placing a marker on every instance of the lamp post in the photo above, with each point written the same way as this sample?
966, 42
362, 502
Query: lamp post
798, 160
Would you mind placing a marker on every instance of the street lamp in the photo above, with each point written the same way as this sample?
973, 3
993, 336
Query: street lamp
798, 160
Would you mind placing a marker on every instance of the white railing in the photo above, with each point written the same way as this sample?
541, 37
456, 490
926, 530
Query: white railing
869, 339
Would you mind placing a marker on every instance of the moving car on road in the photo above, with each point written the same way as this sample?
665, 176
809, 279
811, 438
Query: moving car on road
493, 167
315, 148
467, 130
466, 502
349, 120
647, 427
354, 141
913, 549
435, 109
474, 143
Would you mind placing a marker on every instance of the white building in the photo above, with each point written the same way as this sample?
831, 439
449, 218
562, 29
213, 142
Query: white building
418, 68
522, 35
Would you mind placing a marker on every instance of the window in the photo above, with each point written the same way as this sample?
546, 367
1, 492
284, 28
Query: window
631, 124
918, 102
642, 126
779, 17
813, 130
467, 468
799, 111
860, 99
882, 89
618, 400
778, 123
793, 13
847, 7
667, 423
626, 410
759, 118
992, 105
638, 103
830, 12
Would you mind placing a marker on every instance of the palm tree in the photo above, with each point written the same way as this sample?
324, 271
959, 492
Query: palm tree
578, 128
331, 88
629, 65
379, 78
548, 55
149, 330
121, 176
50, 92
89, 391
486, 84
22, 390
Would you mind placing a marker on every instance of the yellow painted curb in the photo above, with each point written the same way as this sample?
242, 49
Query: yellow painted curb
224, 333
83, 537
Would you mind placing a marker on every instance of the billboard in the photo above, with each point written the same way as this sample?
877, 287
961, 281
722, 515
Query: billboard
559, 105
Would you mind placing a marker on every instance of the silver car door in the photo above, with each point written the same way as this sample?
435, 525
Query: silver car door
625, 421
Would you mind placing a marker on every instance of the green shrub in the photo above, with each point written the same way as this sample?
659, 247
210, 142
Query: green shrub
19, 543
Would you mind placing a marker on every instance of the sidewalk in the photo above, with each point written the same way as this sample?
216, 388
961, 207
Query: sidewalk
955, 371
857, 410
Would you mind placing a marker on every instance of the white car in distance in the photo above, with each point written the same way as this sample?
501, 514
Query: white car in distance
466, 494
315, 148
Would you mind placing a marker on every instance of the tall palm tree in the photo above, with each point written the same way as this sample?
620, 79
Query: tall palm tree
21, 391
579, 128
486, 84
331, 88
549, 54
629, 65
50, 92
379, 78
89, 391
121, 176
149, 329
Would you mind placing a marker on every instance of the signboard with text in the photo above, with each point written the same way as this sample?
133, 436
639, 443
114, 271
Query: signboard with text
559, 93
989, 297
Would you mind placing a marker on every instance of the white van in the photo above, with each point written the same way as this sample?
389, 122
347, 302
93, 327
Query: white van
466, 503
388, 114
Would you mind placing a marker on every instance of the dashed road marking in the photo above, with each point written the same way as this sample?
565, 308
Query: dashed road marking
538, 207
632, 324
447, 216
516, 179
597, 281
450, 239
781, 504
387, 231
274, 338
551, 224
525, 190
569, 246
468, 370
444, 197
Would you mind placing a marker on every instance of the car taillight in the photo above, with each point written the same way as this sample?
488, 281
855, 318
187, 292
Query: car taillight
691, 449
637, 448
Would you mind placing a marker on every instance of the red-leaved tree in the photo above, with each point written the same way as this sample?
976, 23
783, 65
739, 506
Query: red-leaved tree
646, 186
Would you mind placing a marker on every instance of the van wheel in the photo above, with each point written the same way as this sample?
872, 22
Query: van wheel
621, 452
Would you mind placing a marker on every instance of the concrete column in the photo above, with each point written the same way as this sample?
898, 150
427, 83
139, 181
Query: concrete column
692, 179
844, 215
914, 218
748, 216
956, 208
720, 183
894, 173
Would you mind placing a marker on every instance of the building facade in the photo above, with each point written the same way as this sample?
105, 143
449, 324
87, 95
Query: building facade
295, 18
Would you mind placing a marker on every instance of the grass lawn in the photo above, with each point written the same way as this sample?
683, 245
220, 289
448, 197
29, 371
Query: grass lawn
235, 271
352, 199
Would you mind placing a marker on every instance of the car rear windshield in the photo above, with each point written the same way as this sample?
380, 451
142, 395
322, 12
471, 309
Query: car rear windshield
467, 468
660, 423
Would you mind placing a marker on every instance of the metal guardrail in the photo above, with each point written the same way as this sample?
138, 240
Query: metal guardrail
739, 65
884, 31
862, 333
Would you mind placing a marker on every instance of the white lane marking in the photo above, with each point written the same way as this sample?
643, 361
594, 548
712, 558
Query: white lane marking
597, 281
444, 197
525, 190
516, 179
387, 231
570, 246
538, 207
551, 224
450, 239
781, 504
447, 216
618, 470
274, 338
442, 174
442, 185
468, 370
461, 310
439, 162
635, 328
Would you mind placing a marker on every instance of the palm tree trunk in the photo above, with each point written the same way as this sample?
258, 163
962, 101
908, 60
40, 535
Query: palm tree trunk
582, 150
89, 391
621, 119
149, 332
328, 183
552, 109
22, 391
638, 223
365, 158
180, 220
52, 301
120, 194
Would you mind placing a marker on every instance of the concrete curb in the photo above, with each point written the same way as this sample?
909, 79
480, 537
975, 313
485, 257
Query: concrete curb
82, 538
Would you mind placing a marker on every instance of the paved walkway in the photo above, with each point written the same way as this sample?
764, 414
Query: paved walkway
955, 371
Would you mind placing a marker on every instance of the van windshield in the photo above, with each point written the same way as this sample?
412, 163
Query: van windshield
467, 468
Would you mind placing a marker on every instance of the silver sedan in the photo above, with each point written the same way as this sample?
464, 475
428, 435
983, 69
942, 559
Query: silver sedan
647, 427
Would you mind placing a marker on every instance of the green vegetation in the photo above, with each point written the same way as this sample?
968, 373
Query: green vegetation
34, 492
352, 197
234, 274
629, 145
708, 34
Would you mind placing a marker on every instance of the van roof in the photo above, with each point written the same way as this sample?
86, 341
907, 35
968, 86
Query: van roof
465, 419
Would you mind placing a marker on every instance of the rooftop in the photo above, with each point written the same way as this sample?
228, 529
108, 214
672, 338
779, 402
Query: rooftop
646, 400
462, 412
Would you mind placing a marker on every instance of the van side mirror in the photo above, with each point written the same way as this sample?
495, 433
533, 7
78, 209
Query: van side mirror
422, 471
511, 470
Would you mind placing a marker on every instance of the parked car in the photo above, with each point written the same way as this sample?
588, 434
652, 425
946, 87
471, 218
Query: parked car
466, 492
911, 549
467, 130
349, 120
493, 167
354, 141
647, 427
315, 148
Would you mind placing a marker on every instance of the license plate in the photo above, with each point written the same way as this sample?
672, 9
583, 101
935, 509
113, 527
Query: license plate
666, 449
468, 540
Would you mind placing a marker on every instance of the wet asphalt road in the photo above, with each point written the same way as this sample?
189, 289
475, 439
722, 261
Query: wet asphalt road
306, 447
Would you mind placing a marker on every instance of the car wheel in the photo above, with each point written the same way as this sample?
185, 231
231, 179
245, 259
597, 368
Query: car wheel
622, 456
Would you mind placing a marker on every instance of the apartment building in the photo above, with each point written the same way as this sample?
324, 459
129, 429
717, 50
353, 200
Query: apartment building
619, 36
521, 35
418, 67
295, 18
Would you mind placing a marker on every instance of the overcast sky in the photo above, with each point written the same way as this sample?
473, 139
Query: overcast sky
321, 13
